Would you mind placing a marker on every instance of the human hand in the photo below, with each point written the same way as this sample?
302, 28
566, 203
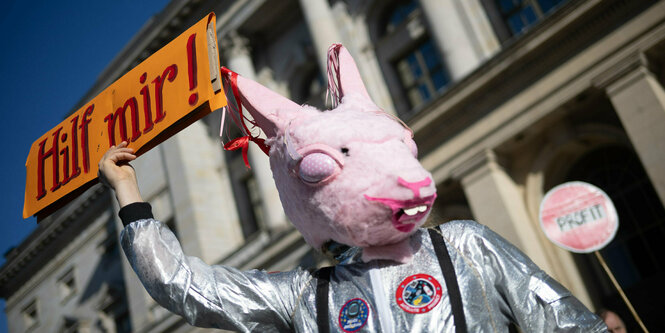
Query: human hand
116, 172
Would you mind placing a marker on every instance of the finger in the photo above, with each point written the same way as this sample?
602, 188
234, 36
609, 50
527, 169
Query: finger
113, 150
119, 157
114, 159
122, 145
120, 151
124, 150
108, 153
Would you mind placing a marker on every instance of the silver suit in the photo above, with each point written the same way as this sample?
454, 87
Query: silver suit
498, 285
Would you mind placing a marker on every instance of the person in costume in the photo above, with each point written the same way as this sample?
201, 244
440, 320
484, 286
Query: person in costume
350, 181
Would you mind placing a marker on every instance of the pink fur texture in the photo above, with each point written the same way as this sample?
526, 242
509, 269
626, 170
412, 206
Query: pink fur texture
364, 187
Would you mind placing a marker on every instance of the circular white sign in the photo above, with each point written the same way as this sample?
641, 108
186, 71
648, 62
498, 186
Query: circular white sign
578, 217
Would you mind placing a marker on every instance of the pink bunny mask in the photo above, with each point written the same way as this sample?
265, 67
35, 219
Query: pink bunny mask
349, 174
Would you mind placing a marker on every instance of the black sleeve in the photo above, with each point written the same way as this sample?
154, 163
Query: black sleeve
134, 212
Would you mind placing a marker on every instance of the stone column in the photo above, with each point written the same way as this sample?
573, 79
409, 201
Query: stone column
497, 202
464, 40
205, 212
322, 26
239, 59
237, 53
480, 29
639, 100
356, 32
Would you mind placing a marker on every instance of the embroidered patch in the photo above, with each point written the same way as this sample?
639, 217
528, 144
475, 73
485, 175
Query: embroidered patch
418, 293
353, 315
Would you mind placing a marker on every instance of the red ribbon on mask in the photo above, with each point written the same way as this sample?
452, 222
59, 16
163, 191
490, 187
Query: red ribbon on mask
241, 142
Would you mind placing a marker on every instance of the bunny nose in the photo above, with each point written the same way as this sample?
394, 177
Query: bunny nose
415, 186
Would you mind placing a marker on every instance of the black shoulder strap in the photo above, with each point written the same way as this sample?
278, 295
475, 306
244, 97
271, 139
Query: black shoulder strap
450, 278
322, 285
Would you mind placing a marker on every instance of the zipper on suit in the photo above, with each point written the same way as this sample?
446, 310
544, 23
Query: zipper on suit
382, 302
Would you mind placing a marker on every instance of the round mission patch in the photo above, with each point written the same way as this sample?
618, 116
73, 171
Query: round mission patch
353, 315
418, 293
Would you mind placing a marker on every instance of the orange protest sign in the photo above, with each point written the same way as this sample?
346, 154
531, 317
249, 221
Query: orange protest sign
171, 89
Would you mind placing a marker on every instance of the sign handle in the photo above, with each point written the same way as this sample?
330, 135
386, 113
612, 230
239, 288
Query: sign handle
623, 295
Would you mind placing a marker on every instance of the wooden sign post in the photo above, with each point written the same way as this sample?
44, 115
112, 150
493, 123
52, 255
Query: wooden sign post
171, 89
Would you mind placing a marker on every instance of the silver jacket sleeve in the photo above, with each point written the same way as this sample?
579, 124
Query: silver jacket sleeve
519, 289
208, 296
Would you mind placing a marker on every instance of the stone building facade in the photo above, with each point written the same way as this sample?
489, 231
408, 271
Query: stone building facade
507, 99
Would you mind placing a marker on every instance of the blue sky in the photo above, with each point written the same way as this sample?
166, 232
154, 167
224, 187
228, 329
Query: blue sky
51, 53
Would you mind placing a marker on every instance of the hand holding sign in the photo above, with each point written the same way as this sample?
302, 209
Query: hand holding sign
115, 171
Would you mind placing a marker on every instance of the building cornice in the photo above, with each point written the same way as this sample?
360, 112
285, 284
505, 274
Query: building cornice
530, 77
51, 235
520, 63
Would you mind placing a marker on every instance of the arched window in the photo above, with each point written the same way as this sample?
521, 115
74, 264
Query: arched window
245, 190
520, 14
397, 15
636, 256
421, 73
412, 65
513, 17
309, 88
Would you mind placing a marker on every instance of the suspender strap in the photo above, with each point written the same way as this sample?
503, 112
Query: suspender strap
322, 285
450, 278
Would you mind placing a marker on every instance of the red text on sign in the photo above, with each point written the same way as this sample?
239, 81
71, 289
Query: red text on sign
68, 153
117, 121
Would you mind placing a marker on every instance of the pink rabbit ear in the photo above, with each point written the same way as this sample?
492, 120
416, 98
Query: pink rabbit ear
267, 107
343, 75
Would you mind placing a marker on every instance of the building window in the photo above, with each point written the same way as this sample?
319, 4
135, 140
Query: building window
421, 73
67, 285
309, 88
254, 195
114, 312
70, 325
519, 15
409, 58
398, 15
246, 192
30, 315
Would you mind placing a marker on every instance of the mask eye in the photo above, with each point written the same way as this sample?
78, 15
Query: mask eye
317, 167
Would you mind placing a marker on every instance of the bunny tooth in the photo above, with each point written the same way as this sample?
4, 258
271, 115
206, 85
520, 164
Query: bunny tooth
415, 210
